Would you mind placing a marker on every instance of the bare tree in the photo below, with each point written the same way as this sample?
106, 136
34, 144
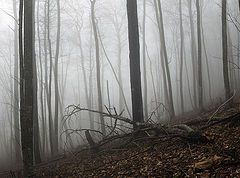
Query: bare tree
165, 55
200, 87
181, 56
100, 104
56, 78
16, 88
26, 107
193, 52
134, 49
166, 94
145, 93
225, 50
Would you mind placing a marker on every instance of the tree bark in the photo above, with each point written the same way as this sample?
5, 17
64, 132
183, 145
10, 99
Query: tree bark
225, 50
27, 92
134, 49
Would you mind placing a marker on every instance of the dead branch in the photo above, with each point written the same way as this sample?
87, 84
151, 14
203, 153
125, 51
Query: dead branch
221, 106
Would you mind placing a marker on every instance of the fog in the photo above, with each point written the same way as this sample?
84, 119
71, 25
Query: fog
77, 62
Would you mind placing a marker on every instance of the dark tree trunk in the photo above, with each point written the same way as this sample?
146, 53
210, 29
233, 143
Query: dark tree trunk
135, 74
36, 134
225, 50
26, 112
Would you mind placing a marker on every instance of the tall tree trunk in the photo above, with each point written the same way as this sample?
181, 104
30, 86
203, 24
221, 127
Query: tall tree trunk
85, 79
161, 57
100, 104
232, 75
36, 133
162, 35
56, 78
16, 89
238, 59
41, 82
193, 52
145, 94
11, 110
49, 94
26, 112
134, 49
207, 64
153, 81
181, 56
225, 50
200, 87
91, 66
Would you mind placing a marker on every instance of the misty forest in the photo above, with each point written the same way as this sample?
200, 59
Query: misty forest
119, 88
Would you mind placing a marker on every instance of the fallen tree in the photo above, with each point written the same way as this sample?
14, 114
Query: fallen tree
144, 130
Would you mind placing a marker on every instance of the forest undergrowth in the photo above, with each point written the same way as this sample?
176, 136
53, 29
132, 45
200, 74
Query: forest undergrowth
160, 155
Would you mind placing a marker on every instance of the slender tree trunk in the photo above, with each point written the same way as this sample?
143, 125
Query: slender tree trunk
207, 64
145, 95
162, 58
46, 72
36, 133
153, 81
11, 110
134, 49
200, 87
100, 104
49, 94
85, 79
225, 50
91, 74
56, 78
188, 80
41, 82
238, 59
162, 35
181, 56
193, 52
16, 89
232, 75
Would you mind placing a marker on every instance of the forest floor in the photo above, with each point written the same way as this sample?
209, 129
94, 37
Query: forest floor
162, 155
